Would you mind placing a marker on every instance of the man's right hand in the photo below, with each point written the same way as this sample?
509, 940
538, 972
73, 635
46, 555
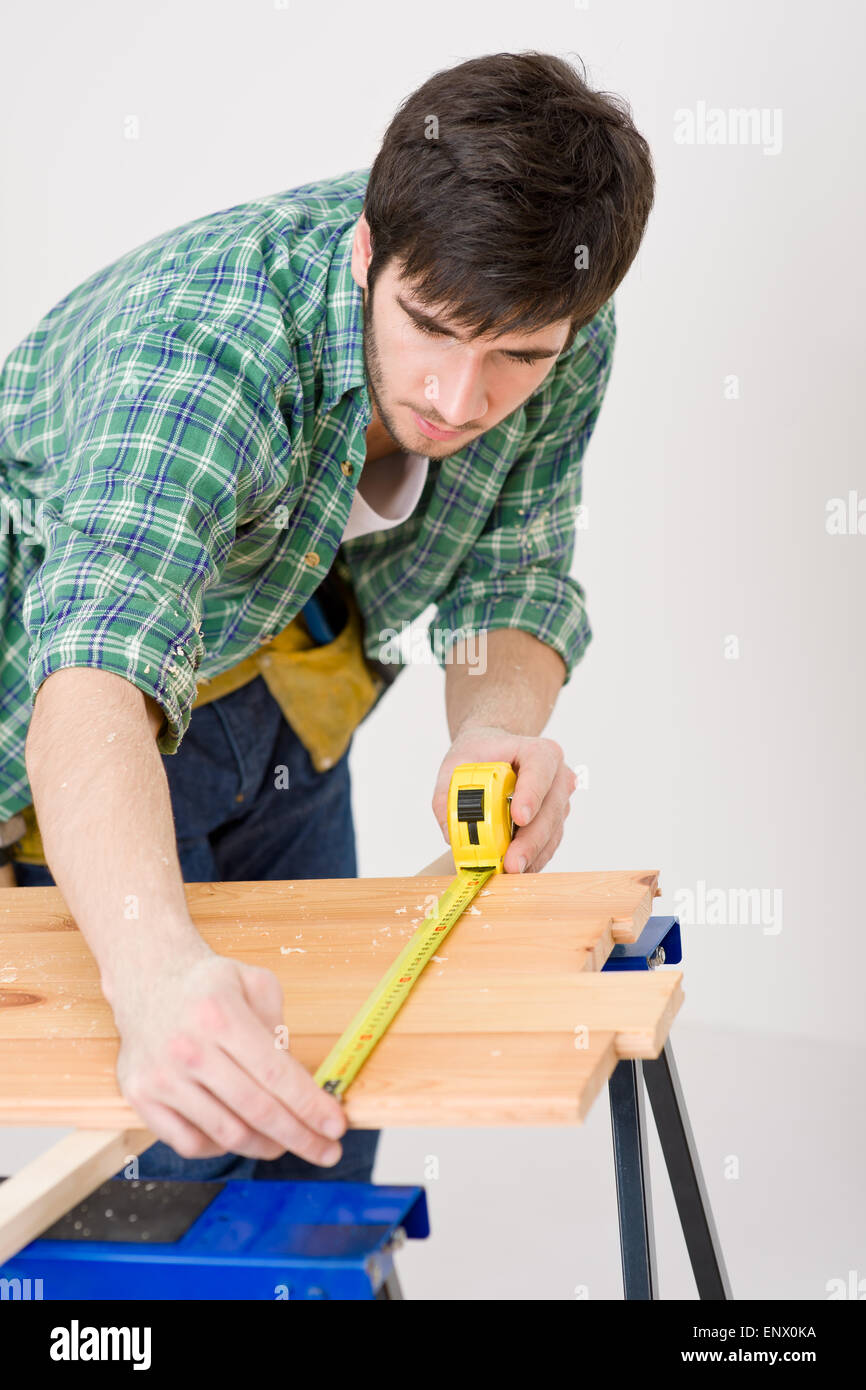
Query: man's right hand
200, 1057
202, 1063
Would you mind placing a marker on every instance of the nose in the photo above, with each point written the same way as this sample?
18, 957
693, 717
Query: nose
462, 401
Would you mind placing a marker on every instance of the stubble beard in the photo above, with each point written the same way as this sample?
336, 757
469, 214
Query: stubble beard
375, 384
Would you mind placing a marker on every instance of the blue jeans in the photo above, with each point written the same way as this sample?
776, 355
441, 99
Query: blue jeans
234, 821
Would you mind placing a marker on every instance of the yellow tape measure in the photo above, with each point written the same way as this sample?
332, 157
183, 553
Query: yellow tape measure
480, 829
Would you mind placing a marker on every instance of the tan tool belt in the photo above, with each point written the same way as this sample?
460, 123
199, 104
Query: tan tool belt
324, 692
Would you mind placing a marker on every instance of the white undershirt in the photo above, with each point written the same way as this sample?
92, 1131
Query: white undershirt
387, 493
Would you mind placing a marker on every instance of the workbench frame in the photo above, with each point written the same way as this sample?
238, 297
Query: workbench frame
633, 1189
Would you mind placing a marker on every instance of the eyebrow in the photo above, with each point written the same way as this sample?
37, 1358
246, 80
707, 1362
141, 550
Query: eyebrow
428, 321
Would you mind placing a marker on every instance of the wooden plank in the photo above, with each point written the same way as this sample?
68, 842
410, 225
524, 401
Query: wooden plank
46, 1188
632, 1013
511, 1026
622, 899
583, 911
523, 965
469, 999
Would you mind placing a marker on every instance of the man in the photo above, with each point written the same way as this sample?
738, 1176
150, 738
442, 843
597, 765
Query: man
239, 458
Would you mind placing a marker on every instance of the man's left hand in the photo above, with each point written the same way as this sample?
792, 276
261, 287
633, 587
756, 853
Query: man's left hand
540, 801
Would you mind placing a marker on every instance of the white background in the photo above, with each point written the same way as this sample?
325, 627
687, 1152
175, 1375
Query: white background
706, 520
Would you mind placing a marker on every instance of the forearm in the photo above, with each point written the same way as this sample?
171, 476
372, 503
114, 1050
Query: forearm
516, 689
102, 802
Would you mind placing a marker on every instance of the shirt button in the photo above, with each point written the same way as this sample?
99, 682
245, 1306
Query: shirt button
311, 558
348, 468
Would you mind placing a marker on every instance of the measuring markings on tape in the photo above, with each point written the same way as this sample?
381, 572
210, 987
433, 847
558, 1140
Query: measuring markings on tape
480, 829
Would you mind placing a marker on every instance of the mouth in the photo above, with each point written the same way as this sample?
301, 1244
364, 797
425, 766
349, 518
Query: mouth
434, 431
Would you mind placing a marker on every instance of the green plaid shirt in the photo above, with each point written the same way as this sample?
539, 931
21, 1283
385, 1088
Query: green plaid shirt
180, 441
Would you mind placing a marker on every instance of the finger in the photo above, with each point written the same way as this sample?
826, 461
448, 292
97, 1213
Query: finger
523, 852
263, 1118
263, 993
538, 857
439, 800
530, 840
229, 1130
244, 1038
529, 843
546, 853
537, 768
440, 792
174, 1130
205, 1110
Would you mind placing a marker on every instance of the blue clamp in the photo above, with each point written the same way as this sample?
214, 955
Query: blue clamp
658, 944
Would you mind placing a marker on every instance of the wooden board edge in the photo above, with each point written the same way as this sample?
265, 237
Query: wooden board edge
648, 1046
47, 1187
626, 930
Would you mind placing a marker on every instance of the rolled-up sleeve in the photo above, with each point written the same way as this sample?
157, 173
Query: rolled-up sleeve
162, 446
518, 572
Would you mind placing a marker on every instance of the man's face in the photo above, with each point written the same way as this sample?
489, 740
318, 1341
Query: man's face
425, 380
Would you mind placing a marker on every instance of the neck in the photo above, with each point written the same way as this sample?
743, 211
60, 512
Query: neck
379, 441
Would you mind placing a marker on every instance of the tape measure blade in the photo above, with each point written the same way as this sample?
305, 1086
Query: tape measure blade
381, 1007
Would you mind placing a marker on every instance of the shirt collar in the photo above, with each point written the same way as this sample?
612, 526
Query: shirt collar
343, 352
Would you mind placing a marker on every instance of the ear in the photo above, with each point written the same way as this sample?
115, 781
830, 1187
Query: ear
362, 251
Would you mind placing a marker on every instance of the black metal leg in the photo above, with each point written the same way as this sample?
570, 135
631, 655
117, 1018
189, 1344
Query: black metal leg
684, 1170
633, 1195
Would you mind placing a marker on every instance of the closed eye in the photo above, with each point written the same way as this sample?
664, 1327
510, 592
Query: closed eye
438, 333
522, 357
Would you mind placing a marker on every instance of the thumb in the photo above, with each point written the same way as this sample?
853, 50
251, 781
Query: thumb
440, 794
263, 993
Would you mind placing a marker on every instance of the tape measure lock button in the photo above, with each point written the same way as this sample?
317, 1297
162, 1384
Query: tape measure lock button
470, 809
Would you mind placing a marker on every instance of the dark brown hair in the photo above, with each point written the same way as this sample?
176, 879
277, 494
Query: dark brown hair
490, 176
